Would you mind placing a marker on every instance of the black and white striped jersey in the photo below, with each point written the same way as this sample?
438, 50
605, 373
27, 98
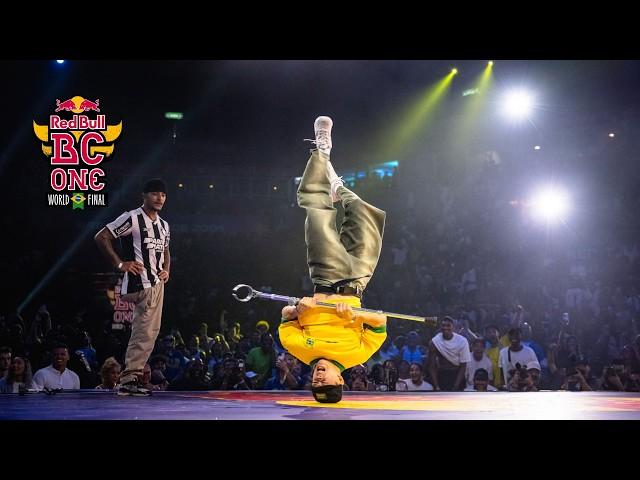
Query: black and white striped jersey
143, 240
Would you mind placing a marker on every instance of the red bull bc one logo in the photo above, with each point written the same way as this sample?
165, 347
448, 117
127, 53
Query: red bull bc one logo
77, 140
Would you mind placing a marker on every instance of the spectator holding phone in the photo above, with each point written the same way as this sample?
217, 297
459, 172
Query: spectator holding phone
284, 379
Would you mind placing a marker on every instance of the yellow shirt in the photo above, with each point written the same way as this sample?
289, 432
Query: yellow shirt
320, 333
494, 354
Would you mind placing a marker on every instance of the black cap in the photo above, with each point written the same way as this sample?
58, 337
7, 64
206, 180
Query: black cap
327, 393
155, 185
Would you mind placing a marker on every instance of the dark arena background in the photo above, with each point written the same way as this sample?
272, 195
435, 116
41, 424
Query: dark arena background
512, 200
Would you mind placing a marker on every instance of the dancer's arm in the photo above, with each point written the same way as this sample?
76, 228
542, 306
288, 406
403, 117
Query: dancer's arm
103, 239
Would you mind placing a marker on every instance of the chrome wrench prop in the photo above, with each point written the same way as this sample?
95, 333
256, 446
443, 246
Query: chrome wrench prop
253, 293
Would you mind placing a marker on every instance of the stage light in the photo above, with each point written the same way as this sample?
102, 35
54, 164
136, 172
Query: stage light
537, 147
491, 63
611, 135
454, 71
180, 185
517, 104
550, 204
60, 61
211, 185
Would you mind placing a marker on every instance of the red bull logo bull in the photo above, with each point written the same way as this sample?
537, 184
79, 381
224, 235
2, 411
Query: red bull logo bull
89, 105
67, 105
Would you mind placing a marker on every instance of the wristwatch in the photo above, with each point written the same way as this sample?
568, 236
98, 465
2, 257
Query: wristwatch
120, 266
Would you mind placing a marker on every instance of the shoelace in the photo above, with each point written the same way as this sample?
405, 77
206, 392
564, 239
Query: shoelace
322, 137
316, 142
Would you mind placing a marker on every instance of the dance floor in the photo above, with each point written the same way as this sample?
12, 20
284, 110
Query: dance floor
299, 405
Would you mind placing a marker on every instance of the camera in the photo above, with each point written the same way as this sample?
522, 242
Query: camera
573, 385
390, 379
523, 375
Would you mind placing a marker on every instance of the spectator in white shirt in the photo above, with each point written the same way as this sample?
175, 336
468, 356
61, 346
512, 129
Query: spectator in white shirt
416, 382
516, 353
57, 375
481, 382
478, 360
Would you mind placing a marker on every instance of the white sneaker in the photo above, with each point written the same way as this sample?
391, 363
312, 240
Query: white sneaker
335, 182
322, 127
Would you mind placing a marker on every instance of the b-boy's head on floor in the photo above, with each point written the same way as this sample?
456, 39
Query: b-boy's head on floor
326, 381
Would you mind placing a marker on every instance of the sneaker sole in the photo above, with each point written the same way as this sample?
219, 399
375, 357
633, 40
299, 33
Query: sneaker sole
133, 394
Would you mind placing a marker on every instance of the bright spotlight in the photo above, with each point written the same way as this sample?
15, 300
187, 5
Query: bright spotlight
454, 71
537, 147
60, 61
550, 204
491, 63
517, 104
611, 135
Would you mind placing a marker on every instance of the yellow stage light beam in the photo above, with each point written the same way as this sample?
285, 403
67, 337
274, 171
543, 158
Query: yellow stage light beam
472, 108
415, 117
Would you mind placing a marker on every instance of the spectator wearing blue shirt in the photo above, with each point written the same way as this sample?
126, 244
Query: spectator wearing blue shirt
413, 351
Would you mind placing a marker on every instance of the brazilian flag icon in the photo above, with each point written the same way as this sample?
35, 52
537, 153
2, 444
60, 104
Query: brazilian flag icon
78, 200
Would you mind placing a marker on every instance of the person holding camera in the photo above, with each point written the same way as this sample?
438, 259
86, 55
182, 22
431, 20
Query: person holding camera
231, 376
516, 353
521, 380
195, 377
358, 380
578, 377
614, 377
